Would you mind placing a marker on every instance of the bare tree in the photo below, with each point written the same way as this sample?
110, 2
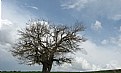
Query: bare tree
43, 43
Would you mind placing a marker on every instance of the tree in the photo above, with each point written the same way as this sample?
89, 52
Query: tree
43, 43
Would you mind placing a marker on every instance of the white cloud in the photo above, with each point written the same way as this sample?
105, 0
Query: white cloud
5, 23
83, 51
7, 32
97, 26
100, 55
15, 14
117, 17
113, 65
33, 7
7, 38
93, 9
104, 42
114, 41
30, 6
76, 4
98, 58
85, 65
81, 64
13, 18
78, 64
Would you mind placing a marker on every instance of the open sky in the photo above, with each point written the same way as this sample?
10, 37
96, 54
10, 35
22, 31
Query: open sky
102, 19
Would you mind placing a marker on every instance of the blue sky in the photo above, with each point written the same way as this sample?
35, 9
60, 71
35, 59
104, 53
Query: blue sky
102, 19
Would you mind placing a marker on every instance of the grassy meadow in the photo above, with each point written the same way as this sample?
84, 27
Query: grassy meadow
106, 71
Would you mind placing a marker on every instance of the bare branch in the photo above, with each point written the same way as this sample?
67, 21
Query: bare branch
43, 43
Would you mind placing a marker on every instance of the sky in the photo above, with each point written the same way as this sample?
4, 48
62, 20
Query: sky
102, 19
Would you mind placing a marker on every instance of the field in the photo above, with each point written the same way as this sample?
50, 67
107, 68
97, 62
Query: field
106, 71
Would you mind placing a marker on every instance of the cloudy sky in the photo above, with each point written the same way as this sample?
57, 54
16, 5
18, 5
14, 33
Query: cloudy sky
102, 19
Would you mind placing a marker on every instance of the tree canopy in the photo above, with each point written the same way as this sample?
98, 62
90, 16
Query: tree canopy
42, 42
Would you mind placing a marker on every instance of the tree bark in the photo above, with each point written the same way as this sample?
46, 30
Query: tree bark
47, 67
44, 69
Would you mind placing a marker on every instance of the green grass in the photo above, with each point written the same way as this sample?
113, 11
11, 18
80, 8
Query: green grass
106, 71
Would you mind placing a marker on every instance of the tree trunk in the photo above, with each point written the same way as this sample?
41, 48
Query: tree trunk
47, 67
44, 69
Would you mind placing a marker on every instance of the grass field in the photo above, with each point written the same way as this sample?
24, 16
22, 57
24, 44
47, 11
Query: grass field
106, 71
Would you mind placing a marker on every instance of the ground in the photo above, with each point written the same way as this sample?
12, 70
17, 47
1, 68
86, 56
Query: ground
106, 71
